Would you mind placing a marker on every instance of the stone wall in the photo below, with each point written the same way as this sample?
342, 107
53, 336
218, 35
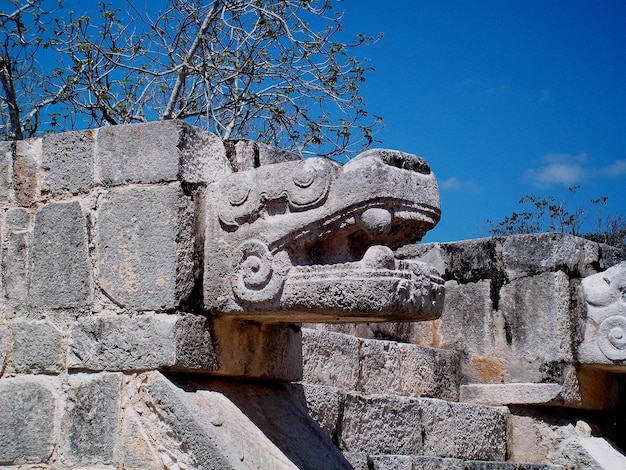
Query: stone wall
111, 357
100, 267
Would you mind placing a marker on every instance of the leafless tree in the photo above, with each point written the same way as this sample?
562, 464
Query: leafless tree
271, 70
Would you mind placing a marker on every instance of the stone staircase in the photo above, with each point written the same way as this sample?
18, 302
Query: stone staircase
390, 405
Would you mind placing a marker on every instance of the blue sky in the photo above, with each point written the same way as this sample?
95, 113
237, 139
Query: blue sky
503, 98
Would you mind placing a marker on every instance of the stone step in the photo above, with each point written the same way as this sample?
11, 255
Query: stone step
361, 461
400, 425
378, 366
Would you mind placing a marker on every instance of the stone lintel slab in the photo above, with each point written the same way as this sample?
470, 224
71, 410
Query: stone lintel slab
186, 342
512, 394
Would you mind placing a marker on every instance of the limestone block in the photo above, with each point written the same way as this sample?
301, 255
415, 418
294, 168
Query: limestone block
141, 342
60, 272
134, 450
145, 153
249, 154
68, 162
38, 347
325, 405
428, 372
378, 424
530, 254
27, 416
380, 367
6, 172
257, 350
604, 341
358, 460
435, 463
89, 424
210, 417
4, 345
330, 358
390, 462
159, 152
512, 394
467, 261
481, 465
145, 246
26, 163
17, 219
538, 328
202, 156
463, 431
465, 321
15, 260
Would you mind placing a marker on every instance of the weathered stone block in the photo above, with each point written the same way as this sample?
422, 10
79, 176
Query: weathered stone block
68, 161
4, 346
26, 170
60, 272
141, 342
6, 172
358, 460
145, 246
530, 254
38, 347
330, 358
463, 431
538, 328
144, 153
421, 462
27, 416
202, 156
89, 425
377, 424
17, 219
209, 417
428, 372
512, 394
257, 350
157, 152
390, 462
134, 450
325, 404
14, 267
380, 367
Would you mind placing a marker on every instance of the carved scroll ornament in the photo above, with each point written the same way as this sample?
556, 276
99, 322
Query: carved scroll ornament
605, 296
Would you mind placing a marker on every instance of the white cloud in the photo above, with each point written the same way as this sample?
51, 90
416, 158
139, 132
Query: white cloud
454, 184
617, 168
558, 168
567, 169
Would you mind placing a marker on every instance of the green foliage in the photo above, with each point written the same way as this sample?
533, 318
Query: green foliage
546, 214
277, 71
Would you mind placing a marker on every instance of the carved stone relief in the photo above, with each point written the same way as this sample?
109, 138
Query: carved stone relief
310, 240
605, 297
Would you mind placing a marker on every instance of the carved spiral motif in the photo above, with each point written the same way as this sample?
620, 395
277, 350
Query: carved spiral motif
254, 277
612, 337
